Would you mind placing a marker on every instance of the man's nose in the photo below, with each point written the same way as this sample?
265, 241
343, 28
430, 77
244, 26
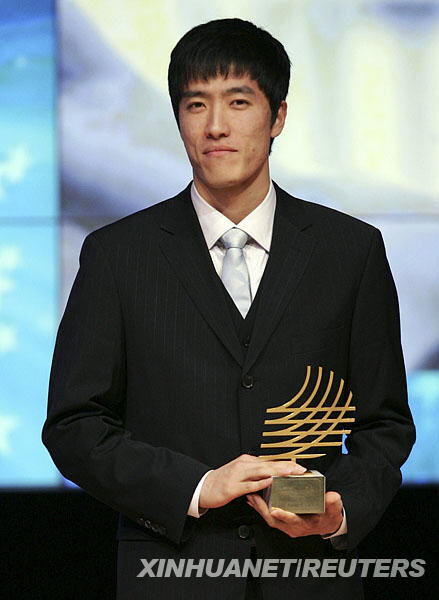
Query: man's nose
217, 125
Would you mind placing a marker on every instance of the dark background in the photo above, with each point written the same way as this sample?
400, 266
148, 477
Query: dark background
61, 545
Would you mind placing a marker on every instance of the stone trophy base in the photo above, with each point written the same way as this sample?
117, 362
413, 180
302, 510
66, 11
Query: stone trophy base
300, 494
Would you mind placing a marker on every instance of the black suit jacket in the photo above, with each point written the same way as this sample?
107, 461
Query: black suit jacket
149, 381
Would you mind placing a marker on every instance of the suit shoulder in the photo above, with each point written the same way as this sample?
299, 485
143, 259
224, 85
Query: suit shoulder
140, 223
332, 217
335, 232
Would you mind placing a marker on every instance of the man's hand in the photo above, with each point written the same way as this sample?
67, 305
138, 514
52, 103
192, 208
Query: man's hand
300, 525
243, 475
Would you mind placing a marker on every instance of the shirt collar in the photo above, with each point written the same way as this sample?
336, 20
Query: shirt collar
258, 224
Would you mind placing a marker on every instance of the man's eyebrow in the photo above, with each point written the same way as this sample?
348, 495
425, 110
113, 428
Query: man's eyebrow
193, 93
240, 89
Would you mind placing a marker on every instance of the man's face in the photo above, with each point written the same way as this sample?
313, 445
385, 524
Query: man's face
226, 127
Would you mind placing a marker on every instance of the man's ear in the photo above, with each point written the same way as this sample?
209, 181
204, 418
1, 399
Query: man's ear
279, 123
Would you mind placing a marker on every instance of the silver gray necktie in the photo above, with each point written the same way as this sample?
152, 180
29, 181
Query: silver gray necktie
234, 273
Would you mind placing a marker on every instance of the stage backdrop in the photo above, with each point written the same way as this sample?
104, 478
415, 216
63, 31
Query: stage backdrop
361, 136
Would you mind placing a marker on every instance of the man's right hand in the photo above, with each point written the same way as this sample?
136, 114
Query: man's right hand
243, 475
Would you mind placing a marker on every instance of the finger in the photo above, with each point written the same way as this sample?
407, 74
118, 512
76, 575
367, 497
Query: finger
285, 516
278, 467
266, 469
247, 458
249, 487
332, 498
261, 507
333, 503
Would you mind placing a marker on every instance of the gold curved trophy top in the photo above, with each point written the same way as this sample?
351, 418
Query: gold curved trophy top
317, 417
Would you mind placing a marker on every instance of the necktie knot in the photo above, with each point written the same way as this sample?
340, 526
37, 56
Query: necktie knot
234, 238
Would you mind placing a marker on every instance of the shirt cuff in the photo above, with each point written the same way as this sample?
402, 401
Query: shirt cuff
194, 509
341, 530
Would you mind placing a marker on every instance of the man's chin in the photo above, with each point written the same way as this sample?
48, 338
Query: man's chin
223, 185
223, 182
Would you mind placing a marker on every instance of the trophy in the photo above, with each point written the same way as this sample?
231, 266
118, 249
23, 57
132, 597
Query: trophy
308, 426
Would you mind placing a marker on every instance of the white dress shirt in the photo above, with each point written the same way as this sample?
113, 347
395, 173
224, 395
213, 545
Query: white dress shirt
259, 226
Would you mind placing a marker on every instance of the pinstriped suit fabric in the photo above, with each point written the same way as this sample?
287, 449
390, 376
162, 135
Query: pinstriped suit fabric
147, 383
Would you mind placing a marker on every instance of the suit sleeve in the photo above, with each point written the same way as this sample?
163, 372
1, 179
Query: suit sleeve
369, 476
84, 430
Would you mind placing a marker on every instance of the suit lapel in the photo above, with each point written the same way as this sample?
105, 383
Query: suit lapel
185, 248
290, 251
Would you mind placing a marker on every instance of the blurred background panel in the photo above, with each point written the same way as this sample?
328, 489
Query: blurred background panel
28, 316
29, 237
361, 136
28, 162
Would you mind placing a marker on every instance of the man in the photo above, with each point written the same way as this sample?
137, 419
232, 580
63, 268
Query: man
188, 319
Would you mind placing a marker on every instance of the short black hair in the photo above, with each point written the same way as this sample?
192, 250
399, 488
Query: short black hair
230, 46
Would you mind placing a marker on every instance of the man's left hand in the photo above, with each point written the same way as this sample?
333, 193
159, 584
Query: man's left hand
299, 525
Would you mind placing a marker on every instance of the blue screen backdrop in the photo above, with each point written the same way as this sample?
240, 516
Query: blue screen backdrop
29, 240
98, 114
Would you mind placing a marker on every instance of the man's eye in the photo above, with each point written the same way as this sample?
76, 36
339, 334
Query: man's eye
195, 105
239, 102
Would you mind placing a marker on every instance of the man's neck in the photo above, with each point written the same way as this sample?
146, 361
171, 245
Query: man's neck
235, 202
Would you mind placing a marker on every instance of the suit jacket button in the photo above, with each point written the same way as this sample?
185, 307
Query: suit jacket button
244, 532
246, 342
247, 381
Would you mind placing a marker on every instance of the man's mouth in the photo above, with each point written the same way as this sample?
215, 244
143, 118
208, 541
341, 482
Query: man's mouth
219, 151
